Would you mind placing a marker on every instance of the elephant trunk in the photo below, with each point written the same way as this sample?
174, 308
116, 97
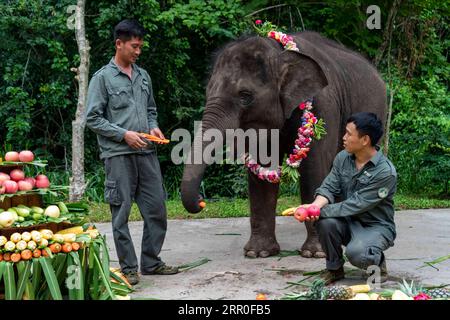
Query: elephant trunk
213, 118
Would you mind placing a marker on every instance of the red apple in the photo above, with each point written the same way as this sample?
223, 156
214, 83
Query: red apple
313, 211
17, 175
30, 180
300, 214
12, 156
42, 183
4, 177
26, 156
24, 185
41, 176
11, 186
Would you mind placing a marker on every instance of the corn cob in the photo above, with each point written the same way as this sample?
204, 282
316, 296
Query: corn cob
76, 230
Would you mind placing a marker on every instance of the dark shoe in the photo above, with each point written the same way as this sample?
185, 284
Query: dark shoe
163, 270
132, 277
330, 276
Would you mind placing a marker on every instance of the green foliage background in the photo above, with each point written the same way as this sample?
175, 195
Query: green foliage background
38, 92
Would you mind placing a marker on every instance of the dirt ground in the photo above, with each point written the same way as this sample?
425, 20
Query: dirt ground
422, 235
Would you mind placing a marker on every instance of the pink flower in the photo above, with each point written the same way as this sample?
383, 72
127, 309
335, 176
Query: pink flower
302, 106
422, 296
258, 22
307, 132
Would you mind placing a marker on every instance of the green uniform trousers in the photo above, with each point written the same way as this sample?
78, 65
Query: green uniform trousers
364, 244
136, 177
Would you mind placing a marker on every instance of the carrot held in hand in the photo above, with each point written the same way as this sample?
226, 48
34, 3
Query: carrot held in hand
154, 138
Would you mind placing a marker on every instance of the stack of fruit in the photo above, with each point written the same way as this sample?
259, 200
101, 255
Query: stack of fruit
16, 181
406, 291
27, 245
24, 216
70, 264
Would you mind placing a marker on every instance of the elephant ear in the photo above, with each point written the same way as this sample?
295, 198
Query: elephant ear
300, 78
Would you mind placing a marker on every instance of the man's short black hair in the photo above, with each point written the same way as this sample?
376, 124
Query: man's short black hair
367, 123
127, 29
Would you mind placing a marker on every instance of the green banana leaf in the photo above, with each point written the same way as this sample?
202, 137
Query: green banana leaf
120, 289
76, 288
106, 281
50, 277
2, 269
24, 271
60, 266
37, 276
10, 282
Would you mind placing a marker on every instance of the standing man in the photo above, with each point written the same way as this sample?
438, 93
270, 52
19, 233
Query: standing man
120, 106
365, 180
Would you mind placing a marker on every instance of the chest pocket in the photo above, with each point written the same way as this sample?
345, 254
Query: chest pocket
120, 97
362, 181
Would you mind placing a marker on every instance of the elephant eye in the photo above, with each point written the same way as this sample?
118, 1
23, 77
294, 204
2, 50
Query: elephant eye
245, 97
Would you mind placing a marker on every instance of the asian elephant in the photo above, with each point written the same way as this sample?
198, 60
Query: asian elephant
255, 83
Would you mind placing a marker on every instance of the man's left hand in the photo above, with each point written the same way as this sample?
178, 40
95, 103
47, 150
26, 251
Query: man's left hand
157, 133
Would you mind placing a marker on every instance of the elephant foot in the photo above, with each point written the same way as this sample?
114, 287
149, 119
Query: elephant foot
260, 246
312, 249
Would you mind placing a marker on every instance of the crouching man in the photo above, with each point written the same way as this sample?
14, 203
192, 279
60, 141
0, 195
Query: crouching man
365, 180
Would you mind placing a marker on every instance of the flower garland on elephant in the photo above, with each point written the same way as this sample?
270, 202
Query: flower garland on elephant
310, 125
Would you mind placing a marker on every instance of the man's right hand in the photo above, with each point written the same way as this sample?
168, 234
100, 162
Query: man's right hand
134, 140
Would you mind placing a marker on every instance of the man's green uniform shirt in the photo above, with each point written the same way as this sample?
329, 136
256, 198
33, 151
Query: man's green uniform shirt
116, 104
367, 195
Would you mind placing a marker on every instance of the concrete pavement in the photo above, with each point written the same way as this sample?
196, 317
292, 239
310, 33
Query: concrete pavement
422, 235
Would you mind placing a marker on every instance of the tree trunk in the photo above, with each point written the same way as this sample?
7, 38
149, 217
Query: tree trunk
388, 123
77, 182
387, 34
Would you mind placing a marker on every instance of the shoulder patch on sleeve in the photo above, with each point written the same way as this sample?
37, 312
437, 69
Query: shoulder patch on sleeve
383, 192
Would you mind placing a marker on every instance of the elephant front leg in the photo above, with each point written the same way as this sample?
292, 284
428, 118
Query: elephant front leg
263, 201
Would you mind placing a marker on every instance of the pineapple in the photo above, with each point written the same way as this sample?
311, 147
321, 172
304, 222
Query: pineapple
410, 289
438, 293
339, 293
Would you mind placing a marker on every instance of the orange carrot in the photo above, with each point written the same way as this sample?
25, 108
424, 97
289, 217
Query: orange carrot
66, 247
75, 246
154, 138
44, 252
26, 254
55, 247
7, 256
36, 253
1, 257
15, 257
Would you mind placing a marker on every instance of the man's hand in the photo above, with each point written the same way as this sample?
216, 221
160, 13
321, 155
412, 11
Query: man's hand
134, 140
308, 218
157, 133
